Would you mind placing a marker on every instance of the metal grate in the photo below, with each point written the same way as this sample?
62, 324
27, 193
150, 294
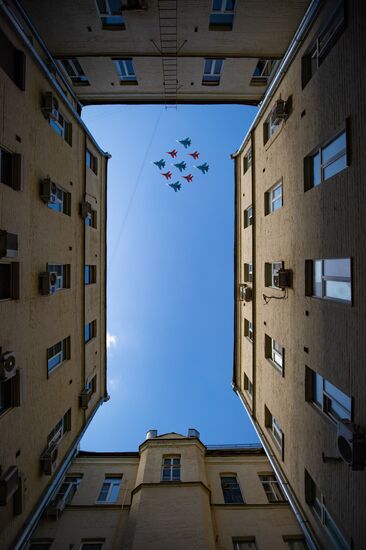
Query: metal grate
168, 49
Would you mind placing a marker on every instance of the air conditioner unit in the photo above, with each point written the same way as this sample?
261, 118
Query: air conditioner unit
279, 111
47, 282
282, 279
245, 293
48, 191
7, 365
50, 105
9, 482
55, 508
8, 244
85, 209
85, 397
49, 459
351, 441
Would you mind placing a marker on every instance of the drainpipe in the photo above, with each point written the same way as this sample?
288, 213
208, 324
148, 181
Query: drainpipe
24, 38
32, 521
285, 486
292, 50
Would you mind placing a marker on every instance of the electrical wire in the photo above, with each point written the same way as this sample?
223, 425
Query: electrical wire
267, 299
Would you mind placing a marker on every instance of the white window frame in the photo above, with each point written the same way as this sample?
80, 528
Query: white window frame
223, 9
171, 466
211, 77
87, 542
277, 354
244, 544
265, 72
276, 431
127, 77
61, 355
317, 168
76, 74
272, 199
113, 482
275, 267
272, 488
115, 20
248, 386
325, 395
331, 278
62, 275
58, 432
247, 160
248, 216
72, 482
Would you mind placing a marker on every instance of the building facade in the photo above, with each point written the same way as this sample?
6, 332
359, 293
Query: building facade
300, 268
52, 282
166, 51
173, 492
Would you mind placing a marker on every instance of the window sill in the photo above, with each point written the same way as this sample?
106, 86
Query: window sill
331, 300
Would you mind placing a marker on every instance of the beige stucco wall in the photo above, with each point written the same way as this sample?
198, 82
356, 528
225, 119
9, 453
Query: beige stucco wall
33, 323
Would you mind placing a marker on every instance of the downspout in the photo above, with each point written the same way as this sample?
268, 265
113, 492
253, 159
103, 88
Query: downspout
292, 50
24, 38
285, 486
83, 314
104, 306
254, 271
36, 514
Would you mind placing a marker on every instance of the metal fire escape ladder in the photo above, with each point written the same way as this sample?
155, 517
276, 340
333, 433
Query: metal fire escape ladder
169, 50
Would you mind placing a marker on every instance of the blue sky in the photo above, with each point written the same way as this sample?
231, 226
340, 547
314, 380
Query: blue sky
170, 276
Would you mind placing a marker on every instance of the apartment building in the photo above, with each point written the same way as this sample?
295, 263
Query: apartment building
300, 269
175, 492
52, 282
166, 51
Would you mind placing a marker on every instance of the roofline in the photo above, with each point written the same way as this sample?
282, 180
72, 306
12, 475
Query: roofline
294, 46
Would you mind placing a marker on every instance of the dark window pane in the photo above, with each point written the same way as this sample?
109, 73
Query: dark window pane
5, 281
335, 147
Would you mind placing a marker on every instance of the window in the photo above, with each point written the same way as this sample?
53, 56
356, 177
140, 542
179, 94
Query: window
222, 15
91, 218
248, 273
41, 544
58, 432
10, 392
275, 428
326, 161
110, 12
58, 353
270, 272
247, 161
126, 71
171, 468
55, 197
271, 125
273, 198
10, 169
90, 331
248, 329
248, 216
9, 281
274, 352
75, 72
56, 119
67, 489
272, 488
8, 244
262, 72
212, 72
231, 490
316, 501
329, 279
323, 44
330, 399
90, 274
110, 489
62, 275
243, 544
248, 386
12, 61
92, 545
295, 542
91, 161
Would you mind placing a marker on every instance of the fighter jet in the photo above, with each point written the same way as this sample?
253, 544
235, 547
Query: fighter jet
181, 166
195, 155
168, 174
203, 167
173, 153
189, 178
186, 142
160, 163
176, 186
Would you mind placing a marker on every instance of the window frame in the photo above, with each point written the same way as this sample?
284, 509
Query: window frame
238, 543
110, 21
262, 79
275, 430
121, 68
171, 468
61, 350
74, 71
59, 123
224, 25
247, 160
13, 169
90, 331
312, 179
310, 280
249, 330
72, 481
248, 216
212, 77
323, 394
91, 161
63, 275
271, 199
232, 494
114, 481
272, 488
90, 274
248, 386
60, 429
13, 281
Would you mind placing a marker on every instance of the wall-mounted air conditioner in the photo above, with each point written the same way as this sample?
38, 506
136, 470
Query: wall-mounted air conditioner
351, 441
85, 209
48, 191
245, 293
50, 105
279, 111
49, 459
47, 282
9, 483
282, 279
85, 397
7, 365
